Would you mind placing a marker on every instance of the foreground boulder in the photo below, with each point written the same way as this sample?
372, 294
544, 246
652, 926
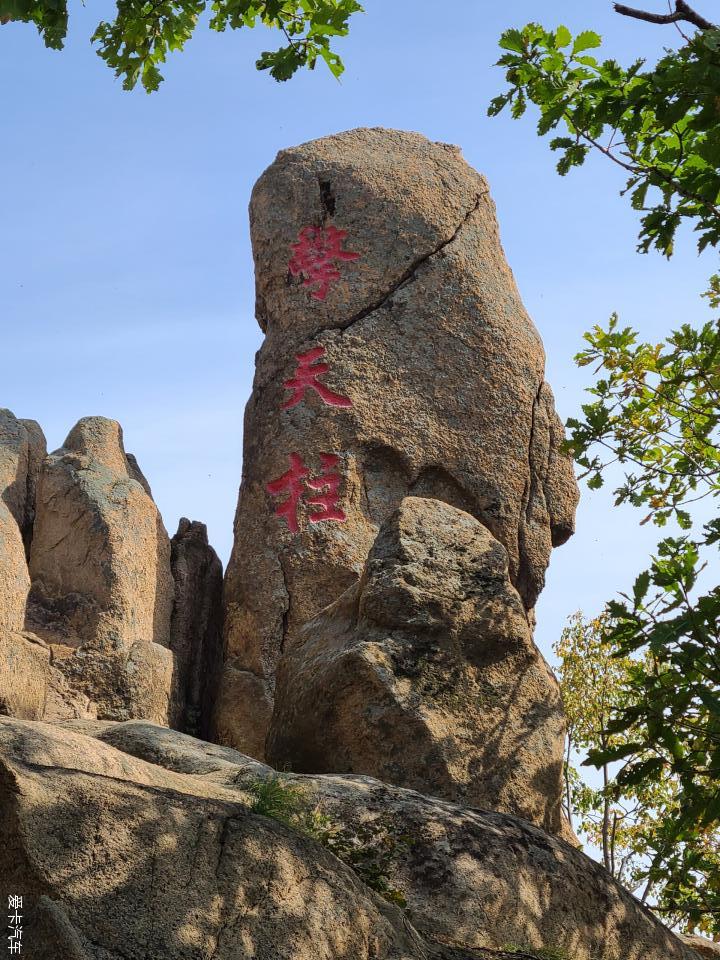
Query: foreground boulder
424, 674
120, 860
398, 360
185, 864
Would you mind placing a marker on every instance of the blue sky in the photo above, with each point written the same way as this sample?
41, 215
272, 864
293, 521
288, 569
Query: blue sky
126, 285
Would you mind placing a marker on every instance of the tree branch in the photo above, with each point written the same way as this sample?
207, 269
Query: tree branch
682, 12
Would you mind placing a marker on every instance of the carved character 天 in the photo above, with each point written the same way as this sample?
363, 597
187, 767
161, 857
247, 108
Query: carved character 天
306, 378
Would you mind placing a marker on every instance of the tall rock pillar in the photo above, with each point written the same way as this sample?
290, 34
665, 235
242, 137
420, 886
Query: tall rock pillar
398, 361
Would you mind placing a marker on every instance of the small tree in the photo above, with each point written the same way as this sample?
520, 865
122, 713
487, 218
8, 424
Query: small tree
625, 816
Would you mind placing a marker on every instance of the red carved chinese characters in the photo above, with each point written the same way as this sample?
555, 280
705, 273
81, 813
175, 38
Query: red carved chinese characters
306, 378
316, 254
329, 482
293, 481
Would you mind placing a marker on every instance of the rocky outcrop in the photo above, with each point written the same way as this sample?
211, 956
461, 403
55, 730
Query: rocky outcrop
424, 674
178, 861
100, 557
398, 361
24, 675
22, 451
86, 630
102, 589
22, 447
14, 576
196, 626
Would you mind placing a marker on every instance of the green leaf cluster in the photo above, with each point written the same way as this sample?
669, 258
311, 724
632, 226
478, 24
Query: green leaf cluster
656, 412
142, 34
671, 721
660, 125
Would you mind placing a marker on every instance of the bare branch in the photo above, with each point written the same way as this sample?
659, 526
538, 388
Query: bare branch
683, 11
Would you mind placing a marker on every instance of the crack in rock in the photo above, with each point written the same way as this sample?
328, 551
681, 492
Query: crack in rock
406, 276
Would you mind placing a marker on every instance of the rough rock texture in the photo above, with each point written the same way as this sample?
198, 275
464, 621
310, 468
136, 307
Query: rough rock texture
24, 675
437, 389
100, 558
706, 948
22, 451
85, 630
119, 860
14, 576
473, 881
196, 626
22, 447
425, 675
102, 588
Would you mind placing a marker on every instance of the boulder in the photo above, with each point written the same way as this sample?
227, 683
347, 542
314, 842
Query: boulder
22, 448
424, 674
100, 558
37, 451
471, 882
24, 675
398, 361
102, 587
14, 575
196, 625
22, 451
120, 860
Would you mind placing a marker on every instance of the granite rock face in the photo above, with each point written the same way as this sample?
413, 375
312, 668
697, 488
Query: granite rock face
179, 866
102, 588
100, 557
153, 863
22, 451
196, 625
85, 630
705, 948
22, 448
398, 361
424, 674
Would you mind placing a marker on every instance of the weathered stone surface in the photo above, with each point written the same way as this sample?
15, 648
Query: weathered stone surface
426, 337
196, 626
102, 588
22, 448
36, 453
100, 558
14, 575
475, 880
22, 451
424, 674
118, 859
705, 948
24, 673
